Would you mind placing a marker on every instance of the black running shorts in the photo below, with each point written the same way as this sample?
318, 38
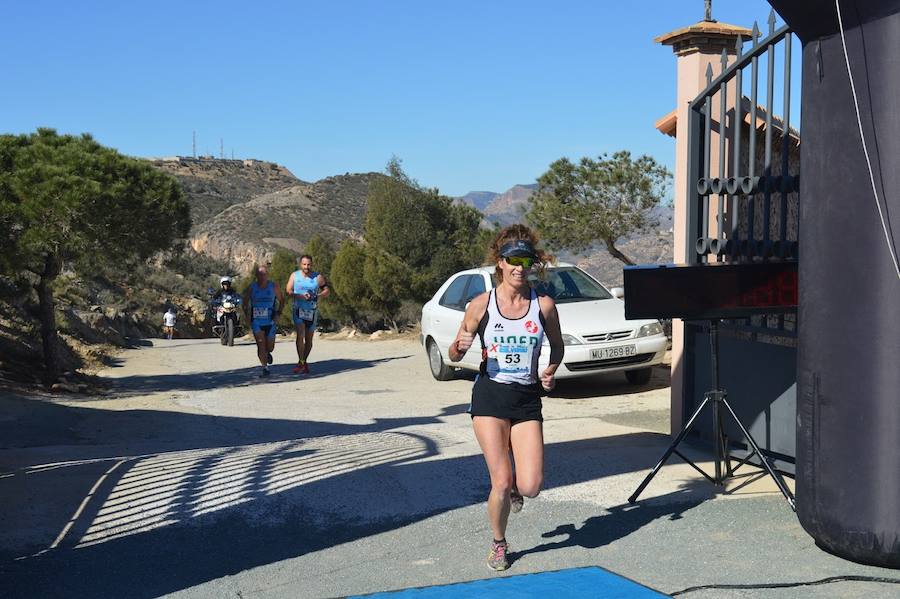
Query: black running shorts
510, 401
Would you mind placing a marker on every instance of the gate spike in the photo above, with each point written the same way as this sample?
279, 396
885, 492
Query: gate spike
709, 73
755, 34
739, 46
724, 59
772, 21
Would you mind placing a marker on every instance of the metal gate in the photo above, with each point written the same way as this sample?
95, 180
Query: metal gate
743, 183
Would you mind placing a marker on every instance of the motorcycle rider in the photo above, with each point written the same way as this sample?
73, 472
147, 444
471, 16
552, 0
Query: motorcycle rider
263, 301
225, 289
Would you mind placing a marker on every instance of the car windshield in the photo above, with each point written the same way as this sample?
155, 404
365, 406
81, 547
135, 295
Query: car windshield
569, 284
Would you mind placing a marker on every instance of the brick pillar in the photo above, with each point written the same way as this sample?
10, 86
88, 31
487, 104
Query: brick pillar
695, 47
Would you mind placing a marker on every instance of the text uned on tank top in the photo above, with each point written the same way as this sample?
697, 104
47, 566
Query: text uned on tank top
520, 340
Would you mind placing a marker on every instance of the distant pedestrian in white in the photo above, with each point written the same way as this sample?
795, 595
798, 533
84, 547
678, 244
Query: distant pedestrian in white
169, 323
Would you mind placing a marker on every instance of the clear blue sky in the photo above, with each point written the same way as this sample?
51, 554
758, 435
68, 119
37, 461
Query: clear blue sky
471, 95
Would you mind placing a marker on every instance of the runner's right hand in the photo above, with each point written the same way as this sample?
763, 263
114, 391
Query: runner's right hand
464, 341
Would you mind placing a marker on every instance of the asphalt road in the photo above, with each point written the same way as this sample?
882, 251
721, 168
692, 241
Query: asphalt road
194, 478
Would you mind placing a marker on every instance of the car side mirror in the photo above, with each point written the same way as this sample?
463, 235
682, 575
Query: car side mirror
618, 292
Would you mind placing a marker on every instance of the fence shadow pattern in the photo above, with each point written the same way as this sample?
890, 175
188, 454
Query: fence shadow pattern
174, 488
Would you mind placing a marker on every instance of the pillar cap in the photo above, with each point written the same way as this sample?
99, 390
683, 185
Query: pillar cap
705, 36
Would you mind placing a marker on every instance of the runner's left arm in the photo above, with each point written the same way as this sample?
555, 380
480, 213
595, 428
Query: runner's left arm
554, 336
279, 296
324, 290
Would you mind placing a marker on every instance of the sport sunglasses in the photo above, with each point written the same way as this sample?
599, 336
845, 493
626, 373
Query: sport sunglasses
525, 262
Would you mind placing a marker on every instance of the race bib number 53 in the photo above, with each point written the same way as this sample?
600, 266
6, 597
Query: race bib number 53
512, 358
260, 313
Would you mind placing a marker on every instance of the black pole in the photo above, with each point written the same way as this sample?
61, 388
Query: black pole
717, 417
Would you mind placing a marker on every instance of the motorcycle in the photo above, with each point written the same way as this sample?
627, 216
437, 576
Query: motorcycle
227, 317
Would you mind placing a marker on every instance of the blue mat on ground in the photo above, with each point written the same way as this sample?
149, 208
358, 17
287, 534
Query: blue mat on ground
577, 582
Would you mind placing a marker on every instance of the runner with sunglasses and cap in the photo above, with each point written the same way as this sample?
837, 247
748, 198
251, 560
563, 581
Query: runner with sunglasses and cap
511, 321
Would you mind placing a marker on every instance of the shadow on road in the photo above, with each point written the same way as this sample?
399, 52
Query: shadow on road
621, 520
203, 497
238, 377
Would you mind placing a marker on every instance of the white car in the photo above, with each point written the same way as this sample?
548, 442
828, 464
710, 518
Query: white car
598, 338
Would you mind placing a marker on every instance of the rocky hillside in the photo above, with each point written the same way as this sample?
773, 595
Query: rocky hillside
651, 247
98, 311
243, 210
648, 248
251, 231
212, 185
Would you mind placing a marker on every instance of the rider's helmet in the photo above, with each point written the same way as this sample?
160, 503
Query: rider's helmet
225, 281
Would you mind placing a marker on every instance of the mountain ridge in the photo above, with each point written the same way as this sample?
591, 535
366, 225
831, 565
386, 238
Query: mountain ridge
478, 199
211, 185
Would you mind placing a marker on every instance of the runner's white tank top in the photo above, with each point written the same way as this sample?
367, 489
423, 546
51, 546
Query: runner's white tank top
512, 346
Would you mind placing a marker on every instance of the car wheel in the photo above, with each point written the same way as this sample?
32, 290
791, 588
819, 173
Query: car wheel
639, 377
439, 370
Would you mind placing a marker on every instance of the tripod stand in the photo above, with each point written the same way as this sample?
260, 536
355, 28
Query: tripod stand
717, 398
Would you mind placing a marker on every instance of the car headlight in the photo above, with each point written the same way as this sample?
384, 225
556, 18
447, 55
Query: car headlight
653, 328
567, 340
